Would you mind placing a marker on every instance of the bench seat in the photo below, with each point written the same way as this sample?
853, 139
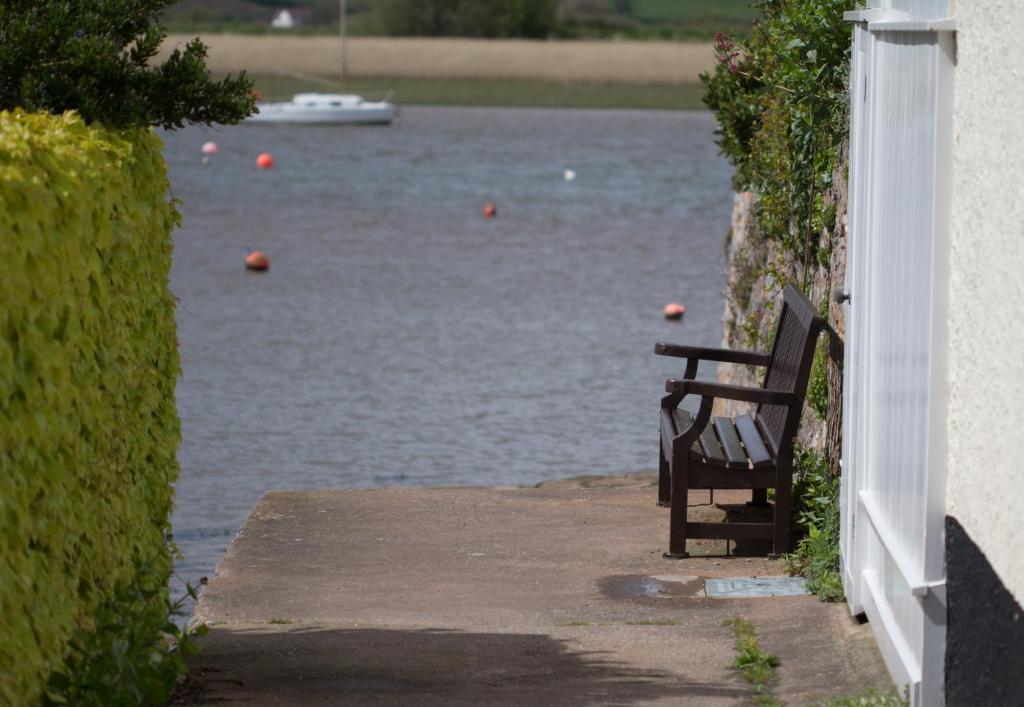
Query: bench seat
720, 458
729, 443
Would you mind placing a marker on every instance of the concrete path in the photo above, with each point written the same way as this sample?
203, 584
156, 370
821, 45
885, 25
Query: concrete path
467, 596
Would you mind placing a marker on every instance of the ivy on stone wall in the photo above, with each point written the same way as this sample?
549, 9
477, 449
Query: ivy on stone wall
780, 99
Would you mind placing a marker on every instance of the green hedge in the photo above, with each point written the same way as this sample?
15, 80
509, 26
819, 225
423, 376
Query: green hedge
781, 99
88, 363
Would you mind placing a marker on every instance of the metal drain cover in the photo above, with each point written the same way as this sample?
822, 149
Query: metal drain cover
756, 587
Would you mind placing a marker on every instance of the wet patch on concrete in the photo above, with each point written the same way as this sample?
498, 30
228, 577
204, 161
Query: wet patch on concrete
660, 587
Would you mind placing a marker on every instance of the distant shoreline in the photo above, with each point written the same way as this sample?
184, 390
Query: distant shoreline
594, 62
493, 92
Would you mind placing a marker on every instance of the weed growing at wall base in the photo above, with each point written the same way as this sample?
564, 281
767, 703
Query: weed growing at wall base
137, 654
759, 668
816, 509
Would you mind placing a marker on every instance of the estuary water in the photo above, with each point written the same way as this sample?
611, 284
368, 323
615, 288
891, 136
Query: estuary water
400, 337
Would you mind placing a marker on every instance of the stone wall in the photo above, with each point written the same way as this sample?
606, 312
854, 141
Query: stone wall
758, 270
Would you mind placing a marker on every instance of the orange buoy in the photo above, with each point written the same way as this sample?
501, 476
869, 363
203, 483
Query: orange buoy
257, 261
210, 148
265, 160
490, 210
674, 310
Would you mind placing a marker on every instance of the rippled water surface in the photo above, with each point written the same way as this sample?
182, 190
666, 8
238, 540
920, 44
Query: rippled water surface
401, 338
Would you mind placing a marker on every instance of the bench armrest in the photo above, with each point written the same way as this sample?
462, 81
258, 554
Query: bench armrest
707, 389
752, 358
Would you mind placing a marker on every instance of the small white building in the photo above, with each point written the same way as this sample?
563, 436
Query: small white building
283, 19
933, 480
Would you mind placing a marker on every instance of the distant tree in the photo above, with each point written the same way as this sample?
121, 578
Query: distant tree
583, 8
526, 18
475, 18
624, 7
325, 12
94, 56
468, 18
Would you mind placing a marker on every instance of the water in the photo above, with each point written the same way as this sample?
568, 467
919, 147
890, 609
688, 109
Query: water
401, 338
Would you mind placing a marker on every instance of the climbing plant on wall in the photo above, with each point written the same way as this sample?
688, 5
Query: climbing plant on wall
780, 100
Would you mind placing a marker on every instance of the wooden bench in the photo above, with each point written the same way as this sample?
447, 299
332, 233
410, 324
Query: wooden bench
747, 452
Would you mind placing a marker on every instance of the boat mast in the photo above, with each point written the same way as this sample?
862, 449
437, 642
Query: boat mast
341, 25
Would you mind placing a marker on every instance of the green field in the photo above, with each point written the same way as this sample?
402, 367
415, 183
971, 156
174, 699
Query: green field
479, 92
693, 11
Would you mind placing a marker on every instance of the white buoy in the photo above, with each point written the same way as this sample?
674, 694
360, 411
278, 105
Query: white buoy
210, 148
569, 175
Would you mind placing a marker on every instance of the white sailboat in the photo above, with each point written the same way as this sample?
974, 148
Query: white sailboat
327, 108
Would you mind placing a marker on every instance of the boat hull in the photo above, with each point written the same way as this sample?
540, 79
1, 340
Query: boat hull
365, 114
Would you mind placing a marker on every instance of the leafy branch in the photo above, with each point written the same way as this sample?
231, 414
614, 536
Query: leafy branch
97, 57
781, 103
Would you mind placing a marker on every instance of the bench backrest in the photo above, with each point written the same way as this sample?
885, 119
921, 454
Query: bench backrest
790, 366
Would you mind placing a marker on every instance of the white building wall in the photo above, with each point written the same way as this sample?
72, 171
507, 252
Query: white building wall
985, 472
894, 434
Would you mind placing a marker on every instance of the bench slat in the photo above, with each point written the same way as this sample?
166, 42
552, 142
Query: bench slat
706, 447
668, 429
683, 418
710, 447
735, 457
751, 436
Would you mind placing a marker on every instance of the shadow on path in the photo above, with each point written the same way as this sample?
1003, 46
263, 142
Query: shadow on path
426, 667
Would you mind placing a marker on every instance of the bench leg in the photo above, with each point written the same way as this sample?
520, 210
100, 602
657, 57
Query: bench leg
664, 476
677, 517
783, 493
759, 499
